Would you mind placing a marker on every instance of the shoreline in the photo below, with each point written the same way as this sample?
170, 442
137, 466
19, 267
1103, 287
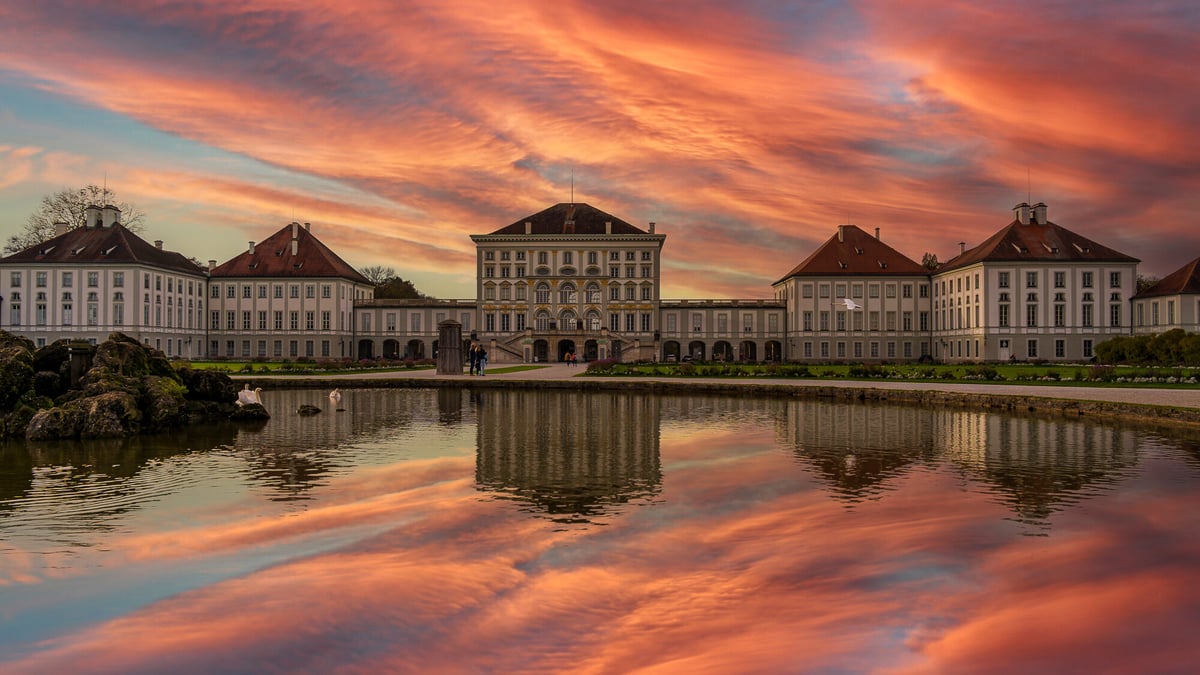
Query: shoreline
1174, 408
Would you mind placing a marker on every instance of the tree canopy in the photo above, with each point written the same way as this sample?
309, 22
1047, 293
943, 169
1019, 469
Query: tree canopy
69, 206
388, 285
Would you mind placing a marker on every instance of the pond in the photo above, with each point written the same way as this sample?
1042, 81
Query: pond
453, 530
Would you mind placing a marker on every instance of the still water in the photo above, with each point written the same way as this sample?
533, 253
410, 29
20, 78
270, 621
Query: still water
457, 531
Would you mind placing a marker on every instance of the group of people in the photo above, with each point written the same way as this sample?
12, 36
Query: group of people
477, 358
569, 358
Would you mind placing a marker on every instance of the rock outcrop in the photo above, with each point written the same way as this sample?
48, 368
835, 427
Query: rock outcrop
129, 389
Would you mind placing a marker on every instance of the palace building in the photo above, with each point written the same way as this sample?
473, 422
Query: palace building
574, 279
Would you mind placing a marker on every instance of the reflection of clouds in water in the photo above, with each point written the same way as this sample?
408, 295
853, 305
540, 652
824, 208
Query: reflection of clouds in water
742, 563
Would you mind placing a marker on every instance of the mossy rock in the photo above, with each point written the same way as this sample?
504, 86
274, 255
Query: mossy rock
249, 413
208, 385
55, 423
52, 356
8, 339
49, 384
109, 415
162, 403
16, 373
121, 355
305, 410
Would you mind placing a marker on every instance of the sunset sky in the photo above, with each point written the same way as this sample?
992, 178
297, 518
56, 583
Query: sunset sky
747, 131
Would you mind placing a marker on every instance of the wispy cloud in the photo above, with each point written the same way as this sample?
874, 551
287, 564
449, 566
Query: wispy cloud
746, 132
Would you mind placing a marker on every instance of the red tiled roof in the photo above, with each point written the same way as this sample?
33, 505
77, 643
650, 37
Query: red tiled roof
273, 257
1033, 242
855, 253
110, 245
1183, 281
570, 219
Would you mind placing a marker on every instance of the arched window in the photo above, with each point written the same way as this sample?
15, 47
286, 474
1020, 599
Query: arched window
567, 295
542, 294
542, 320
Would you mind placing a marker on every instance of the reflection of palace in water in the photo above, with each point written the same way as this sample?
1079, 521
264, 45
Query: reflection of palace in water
570, 454
1034, 463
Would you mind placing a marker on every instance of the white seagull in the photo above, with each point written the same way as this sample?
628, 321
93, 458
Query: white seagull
850, 304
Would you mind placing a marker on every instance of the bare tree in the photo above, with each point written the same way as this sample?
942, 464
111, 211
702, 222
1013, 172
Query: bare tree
69, 206
378, 274
930, 262
1145, 282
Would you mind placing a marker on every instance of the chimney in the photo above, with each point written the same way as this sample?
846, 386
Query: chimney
158, 244
962, 247
652, 227
211, 265
1022, 211
608, 227
1039, 213
295, 230
528, 227
841, 233
308, 227
111, 215
295, 246
877, 234
60, 228
91, 216
251, 248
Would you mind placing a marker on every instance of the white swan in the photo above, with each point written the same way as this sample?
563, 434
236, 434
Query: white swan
850, 304
335, 396
246, 397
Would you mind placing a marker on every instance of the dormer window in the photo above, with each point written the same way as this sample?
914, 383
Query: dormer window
109, 250
842, 264
78, 250
858, 250
46, 251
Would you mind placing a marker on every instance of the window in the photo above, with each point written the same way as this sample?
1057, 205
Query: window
1031, 316
310, 320
246, 291
15, 279
1060, 279
823, 290
294, 320
1031, 349
906, 291
262, 293
326, 291
1002, 279
294, 291
245, 320
630, 255
489, 255
1003, 317
1060, 348
230, 319
215, 321
1060, 316
1114, 316
40, 279
278, 323
646, 255
542, 257
278, 293
262, 325
823, 320
68, 279
806, 291
1086, 280
520, 255
1087, 349
231, 291
325, 320
118, 279
923, 291
1031, 279
1114, 279
93, 279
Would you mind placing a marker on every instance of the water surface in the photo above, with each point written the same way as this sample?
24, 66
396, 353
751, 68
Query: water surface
458, 531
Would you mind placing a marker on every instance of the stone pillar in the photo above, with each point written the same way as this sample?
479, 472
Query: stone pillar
450, 356
80, 353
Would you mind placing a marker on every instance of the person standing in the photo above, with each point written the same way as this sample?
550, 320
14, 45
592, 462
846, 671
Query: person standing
482, 361
473, 357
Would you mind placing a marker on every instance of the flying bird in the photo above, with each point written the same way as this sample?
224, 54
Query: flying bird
850, 304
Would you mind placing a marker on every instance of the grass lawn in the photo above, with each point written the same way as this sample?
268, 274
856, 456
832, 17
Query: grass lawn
286, 368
